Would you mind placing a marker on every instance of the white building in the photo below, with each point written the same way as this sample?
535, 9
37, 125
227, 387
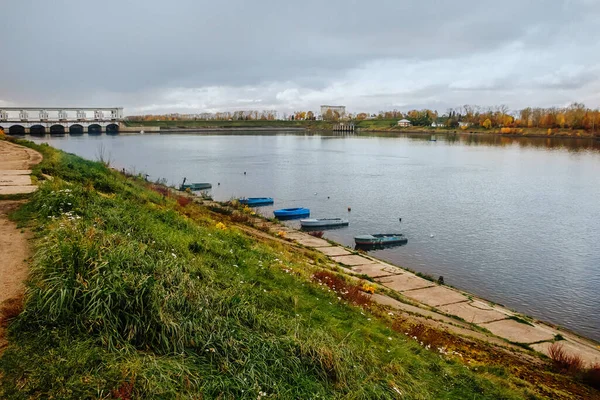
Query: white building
404, 123
341, 110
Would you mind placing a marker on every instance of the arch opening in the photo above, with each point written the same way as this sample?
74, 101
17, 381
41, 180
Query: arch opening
76, 129
94, 129
57, 130
112, 128
37, 130
16, 130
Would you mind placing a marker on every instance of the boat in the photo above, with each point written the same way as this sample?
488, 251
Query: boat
256, 201
323, 222
195, 186
380, 239
290, 213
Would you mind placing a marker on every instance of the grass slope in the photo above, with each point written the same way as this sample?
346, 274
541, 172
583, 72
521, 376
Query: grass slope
132, 295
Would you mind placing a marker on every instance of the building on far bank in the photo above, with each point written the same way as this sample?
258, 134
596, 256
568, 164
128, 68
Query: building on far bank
404, 123
341, 110
465, 124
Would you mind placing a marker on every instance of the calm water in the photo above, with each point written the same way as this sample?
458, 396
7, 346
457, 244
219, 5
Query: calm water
515, 221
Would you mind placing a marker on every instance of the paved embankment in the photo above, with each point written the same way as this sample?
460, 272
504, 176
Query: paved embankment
431, 300
15, 168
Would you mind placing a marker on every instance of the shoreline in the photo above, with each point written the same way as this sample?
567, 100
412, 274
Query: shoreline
509, 327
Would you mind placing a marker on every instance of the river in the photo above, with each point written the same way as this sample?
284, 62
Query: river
513, 220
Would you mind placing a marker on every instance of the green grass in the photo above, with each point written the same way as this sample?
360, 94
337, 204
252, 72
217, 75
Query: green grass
132, 295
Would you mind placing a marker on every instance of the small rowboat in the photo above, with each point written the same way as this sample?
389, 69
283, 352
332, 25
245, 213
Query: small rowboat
257, 201
290, 213
323, 222
195, 186
380, 239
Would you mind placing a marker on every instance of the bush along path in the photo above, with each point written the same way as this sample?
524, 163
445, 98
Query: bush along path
137, 293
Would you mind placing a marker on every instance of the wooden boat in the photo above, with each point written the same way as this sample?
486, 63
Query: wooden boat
290, 213
195, 186
380, 239
257, 201
323, 222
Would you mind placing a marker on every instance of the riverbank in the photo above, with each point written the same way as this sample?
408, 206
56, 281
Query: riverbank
365, 126
137, 291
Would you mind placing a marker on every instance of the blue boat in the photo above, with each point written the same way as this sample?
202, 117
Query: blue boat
257, 201
290, 213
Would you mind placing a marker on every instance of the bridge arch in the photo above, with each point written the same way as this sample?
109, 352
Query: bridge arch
76, 129
16, 130
37, 130
94, 129
57, 130
112, 128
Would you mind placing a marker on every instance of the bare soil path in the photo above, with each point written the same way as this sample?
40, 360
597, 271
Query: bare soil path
15, 167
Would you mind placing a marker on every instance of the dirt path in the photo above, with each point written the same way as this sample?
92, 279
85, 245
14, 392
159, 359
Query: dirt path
15, 164
14, 251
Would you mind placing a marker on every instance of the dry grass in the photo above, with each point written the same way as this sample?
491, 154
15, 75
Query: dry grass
564, 361
592, 376
10, 309
239, 217
349, 292
318, 234
183, 201
124, 392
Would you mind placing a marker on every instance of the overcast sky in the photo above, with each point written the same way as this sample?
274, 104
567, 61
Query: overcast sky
155, 56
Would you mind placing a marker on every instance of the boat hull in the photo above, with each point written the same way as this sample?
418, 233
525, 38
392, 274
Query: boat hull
196, 186
380, 239
291, 213
257, 201
323, 222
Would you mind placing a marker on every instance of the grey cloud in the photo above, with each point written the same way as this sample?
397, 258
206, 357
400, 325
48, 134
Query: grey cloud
143, 53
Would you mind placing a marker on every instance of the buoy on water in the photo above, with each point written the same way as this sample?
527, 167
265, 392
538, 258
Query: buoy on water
244, 172
349, 209
431, 235
400, 219
218, 183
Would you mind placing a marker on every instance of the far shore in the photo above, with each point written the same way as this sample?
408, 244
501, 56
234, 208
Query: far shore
367, 126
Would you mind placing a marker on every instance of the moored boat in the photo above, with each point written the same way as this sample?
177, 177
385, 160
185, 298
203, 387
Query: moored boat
257, 201
289, 213
195, 186
380, 239
323, 222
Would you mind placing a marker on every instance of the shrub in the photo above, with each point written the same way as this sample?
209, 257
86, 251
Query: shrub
239, 217
183, 201
592, 376
318, 234
564, 361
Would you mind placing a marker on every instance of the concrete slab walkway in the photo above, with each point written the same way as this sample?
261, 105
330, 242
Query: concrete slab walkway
15, 168
445, 303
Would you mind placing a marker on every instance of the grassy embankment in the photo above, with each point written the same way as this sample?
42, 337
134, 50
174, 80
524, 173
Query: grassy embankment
374, 125
134, 294
189, 124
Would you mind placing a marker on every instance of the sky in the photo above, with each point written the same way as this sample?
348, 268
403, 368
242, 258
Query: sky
192, 56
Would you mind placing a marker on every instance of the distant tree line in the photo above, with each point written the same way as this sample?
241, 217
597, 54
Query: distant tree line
574, 116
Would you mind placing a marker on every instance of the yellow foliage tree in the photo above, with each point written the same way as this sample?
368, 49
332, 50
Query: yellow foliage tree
487, 124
